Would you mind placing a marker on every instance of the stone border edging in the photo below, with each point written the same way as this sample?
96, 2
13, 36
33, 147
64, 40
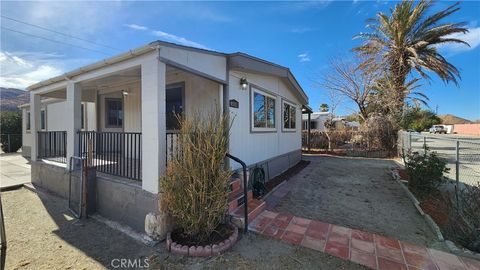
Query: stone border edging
431, 223
202, 251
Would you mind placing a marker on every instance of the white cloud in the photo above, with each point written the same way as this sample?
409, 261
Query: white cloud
177, 39
472, 38
136, 27
304, 57
20, 72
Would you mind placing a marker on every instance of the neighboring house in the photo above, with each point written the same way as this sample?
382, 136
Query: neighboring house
52, 119
131, 125
317, 121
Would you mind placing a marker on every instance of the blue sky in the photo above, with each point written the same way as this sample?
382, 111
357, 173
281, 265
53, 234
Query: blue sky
303, 36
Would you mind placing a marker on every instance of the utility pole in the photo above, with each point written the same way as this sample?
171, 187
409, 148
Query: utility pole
436, 109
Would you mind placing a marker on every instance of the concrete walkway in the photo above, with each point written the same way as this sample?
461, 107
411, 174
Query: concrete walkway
14, 170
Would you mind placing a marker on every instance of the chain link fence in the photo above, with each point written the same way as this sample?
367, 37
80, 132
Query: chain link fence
455, 206
462, 154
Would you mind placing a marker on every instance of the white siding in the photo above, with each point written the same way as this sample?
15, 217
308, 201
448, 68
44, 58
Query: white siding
254, 147
201, 95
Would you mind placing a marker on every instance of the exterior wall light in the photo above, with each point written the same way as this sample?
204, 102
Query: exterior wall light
243, 83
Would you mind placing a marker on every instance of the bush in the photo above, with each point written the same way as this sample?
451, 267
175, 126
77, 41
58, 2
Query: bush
11, 123
425, 171
195, 187
379, 132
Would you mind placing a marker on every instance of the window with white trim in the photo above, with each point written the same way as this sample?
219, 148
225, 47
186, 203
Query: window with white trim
28, 121
263, 111
289, 112
43, 120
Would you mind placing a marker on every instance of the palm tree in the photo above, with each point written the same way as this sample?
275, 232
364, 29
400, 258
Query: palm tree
324, 107
408, 40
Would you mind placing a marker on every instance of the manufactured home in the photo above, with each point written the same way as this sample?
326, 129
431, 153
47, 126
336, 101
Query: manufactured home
122, 109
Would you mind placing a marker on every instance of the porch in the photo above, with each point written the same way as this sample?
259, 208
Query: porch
124, 114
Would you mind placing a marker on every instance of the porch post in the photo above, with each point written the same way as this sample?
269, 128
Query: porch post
73, 116
34, 124
153, 124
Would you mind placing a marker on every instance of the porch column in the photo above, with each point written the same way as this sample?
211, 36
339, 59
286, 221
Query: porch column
153, 124
34, 124
73, 117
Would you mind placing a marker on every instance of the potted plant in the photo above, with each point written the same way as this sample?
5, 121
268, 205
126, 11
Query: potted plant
194, 190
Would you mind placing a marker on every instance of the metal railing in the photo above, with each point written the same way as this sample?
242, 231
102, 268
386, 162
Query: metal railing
461, 154
52, 145
171, 144
115, 153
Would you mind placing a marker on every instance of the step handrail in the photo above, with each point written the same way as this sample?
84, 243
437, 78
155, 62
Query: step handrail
245, 187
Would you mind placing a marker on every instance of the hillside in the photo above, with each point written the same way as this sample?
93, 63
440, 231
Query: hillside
11, 98
450, 119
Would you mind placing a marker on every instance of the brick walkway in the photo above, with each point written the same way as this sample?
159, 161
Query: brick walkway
372, 250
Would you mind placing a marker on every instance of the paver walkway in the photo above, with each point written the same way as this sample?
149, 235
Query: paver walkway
372, 250
368, 249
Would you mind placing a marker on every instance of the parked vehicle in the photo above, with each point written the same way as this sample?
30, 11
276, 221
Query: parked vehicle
438, 129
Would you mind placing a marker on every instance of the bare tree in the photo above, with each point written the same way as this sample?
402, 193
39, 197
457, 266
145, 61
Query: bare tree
348, 80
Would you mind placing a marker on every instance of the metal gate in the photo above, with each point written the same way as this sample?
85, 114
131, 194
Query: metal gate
75, 187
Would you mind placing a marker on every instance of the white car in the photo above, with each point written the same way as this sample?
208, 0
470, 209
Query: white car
438, 129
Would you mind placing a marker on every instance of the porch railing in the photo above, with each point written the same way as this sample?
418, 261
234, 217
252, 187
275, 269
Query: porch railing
115, 153
52, 145
171, 145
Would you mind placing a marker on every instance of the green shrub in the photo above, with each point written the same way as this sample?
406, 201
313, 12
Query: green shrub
425, 170
194, 189
11, 123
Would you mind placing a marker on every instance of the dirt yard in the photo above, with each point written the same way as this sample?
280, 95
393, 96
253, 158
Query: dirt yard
41, 234
357, 193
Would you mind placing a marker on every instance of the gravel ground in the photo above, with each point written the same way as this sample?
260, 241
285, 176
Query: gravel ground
358, 193
41, 234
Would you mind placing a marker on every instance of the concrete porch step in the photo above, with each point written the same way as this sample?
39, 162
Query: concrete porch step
255, 207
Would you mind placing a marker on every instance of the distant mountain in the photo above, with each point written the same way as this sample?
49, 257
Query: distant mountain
449, 119
11, 98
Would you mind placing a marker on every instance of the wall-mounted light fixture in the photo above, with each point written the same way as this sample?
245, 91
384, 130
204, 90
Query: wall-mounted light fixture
125, 93
243, 83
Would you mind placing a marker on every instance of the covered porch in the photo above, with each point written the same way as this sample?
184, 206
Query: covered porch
123, 113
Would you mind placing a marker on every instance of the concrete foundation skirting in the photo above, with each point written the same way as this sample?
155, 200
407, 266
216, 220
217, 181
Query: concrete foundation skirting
26, 150
117, 199
277, 165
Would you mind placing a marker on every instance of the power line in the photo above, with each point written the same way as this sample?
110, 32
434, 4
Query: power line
52, 40
60, 33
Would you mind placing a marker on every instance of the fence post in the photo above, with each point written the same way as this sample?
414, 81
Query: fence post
8, 141
425, 144
409, 141
457, 172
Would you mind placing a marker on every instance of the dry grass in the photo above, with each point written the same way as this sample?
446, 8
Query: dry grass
194, 190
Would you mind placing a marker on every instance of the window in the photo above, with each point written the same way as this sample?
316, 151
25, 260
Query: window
82, 116
43, 120
263, 114
114, 112
289, 116
173, 106
28, 121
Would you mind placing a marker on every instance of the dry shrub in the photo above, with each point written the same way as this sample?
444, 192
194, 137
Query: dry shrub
379, 132
194, 189
465, 223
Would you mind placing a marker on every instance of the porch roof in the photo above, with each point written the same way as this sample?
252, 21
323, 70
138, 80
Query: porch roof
235, 60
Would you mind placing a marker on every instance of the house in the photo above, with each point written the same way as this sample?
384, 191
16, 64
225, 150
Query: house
129, 102
317, 121
52, 119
